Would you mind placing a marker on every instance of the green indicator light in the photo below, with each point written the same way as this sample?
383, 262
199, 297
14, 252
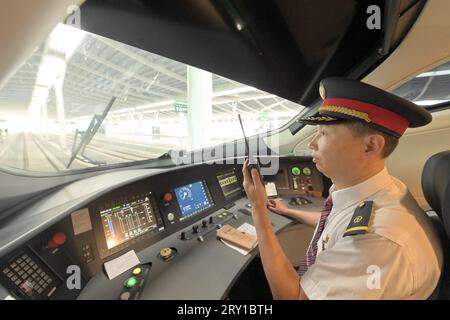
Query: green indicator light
296, 171
131, 282
307, 171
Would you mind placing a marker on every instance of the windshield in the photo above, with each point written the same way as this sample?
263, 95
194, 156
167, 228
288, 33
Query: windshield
428, 88
82, 101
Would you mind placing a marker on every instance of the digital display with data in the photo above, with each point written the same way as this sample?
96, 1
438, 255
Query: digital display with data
229, 183
193, 198
126, 221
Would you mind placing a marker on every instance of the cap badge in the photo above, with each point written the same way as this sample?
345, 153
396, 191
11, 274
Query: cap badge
322, 91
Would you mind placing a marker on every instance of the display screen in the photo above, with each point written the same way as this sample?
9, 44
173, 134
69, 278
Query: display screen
129, 220
193, 198
229, 183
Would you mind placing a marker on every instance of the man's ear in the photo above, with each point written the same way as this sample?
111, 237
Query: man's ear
374, 144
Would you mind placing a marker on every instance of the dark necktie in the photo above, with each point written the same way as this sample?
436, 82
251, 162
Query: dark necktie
310, 257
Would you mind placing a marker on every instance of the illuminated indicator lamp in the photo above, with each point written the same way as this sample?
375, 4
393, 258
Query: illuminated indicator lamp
137, 271
131, 282
296, 171
307, 171
167, 197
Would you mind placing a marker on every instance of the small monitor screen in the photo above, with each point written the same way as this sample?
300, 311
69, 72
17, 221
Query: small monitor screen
126, 221
193, 198
229, 183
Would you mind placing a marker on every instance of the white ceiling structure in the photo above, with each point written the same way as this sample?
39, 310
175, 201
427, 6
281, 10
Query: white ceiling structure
100, 68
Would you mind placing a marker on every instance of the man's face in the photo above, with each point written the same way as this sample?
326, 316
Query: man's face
337, 151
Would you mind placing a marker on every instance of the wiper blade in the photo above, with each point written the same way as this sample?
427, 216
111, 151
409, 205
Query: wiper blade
87, 135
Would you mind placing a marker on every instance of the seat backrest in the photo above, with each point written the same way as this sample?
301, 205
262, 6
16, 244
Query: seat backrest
436, 188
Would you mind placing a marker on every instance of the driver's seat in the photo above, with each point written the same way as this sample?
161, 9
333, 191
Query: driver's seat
436, 188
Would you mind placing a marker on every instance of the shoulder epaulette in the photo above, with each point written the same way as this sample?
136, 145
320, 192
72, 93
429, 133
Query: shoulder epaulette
359, 224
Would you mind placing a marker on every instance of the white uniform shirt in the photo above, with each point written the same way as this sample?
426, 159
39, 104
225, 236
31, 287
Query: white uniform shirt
400, 256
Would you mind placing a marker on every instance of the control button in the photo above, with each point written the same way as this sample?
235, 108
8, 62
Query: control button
204, 223
224, 213
195, 228
57, 239
137, 271
167, 197
125, 296
183, 235
131, 282
165, 253
220, 216
296, 171
307, 171
170, 216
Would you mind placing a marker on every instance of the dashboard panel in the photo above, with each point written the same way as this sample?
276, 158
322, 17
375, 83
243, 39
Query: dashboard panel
169, 216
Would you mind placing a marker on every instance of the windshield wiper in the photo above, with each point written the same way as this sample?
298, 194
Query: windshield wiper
86, 136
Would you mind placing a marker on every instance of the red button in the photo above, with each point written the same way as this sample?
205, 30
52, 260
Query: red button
168, 197
58, 239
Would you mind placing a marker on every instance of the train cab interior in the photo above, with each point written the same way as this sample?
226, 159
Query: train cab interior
121, 149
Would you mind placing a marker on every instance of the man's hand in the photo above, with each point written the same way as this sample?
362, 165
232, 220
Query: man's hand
277, 206
256, 193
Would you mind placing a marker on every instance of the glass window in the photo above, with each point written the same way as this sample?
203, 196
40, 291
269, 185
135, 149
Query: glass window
82, 100
428, 88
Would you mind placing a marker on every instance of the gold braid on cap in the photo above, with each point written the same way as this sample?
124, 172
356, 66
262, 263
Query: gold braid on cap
347, 111
319, 118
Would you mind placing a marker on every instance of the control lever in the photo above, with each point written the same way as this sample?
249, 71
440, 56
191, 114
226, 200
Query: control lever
293, 202
305, 201
245, 211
